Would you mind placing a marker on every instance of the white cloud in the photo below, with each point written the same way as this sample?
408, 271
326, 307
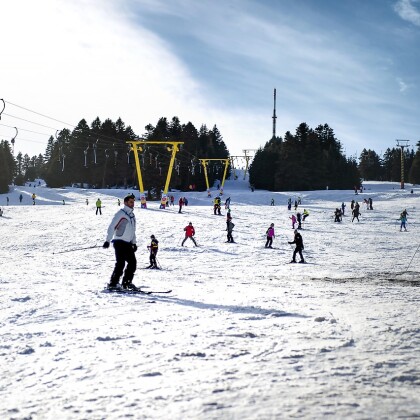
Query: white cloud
403, 86
407, 10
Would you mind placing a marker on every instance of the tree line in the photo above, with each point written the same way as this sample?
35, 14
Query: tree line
313, 159
98, 156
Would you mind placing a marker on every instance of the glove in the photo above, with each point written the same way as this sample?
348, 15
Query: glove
290, 243
105, 245
134, 247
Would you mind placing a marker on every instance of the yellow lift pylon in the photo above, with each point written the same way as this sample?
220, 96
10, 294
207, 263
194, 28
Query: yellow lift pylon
204, 162
136, 146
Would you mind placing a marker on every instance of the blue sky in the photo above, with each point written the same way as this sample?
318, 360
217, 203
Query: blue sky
353, 64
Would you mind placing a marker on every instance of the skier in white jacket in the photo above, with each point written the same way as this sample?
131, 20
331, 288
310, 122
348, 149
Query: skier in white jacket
122, 232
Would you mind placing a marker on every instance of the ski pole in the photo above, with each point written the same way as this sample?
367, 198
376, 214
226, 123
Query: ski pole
158, 263
77, 249
412, 259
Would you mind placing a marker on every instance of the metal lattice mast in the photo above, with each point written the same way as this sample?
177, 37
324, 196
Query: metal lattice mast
274, 115
402, 144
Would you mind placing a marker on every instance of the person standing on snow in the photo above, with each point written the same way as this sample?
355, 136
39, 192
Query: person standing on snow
299, 220
189, 233
180, 204
337, 215
20, 198
293, 217
229, 227
98, 206
403, 219
270, 236
227, 203
289, 204
343, 206
298, 241
305, 214
122, 231
356, 213
153, 249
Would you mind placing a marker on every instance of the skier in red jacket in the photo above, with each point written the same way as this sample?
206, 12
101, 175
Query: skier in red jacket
189, 233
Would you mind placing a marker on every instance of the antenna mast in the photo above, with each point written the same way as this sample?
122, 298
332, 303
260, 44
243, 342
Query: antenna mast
274, 115
402, 144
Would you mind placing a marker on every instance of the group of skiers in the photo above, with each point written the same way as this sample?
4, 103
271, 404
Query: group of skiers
122, 233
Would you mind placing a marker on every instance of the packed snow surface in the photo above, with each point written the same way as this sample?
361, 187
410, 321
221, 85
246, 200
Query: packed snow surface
243, 334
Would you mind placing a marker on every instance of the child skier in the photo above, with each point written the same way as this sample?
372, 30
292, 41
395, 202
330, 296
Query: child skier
229, 227
293, 217
403, 219
270, 236
153, 249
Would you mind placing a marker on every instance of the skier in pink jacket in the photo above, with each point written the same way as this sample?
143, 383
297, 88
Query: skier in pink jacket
270, 236
293, 217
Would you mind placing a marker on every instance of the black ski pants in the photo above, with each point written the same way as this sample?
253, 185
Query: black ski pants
230, 237
297, 250
153, 259
183, 242
98, 209
269, 241
124, 253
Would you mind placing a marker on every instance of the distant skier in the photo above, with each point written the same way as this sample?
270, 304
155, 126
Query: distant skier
189, 233
153, 249
343, 206
33, 198
305, 214
296, 205
87, 201
352, 205
228, 215
122, 231
293, 217
403, 219
217, 206
299, 220
118, 202
289, 204
172, 200
227, 203
229, 227
272, 202
270, 236
180, 204
356, 213
20, 198
337, 215
298, 241
370, 203
98, 206
1, 212
7, 200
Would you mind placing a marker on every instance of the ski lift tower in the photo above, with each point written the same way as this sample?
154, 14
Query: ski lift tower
402, 144
247, 158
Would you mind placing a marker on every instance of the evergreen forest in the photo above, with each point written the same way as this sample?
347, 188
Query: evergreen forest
98, 156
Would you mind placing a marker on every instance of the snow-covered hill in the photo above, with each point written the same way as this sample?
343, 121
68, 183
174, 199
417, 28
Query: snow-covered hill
243, 335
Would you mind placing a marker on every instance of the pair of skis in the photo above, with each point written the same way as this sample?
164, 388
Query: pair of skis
137, 291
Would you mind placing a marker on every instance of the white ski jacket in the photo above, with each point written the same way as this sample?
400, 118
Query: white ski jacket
123, 226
